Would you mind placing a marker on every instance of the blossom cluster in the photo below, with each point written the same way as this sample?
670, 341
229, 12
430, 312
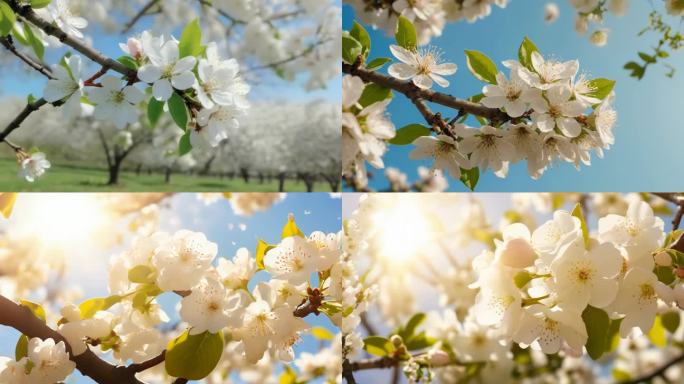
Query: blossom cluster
45, 363
549, 293
429, 16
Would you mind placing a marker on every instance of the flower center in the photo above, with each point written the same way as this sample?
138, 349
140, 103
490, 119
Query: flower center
550, 324
443, 148
647, 292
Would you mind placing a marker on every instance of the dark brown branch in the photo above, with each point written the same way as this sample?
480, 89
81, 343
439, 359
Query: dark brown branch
14, 124
139, 15
145, 365
31, 62
660, 372
27, 13
677, 199
88, 363
413, 92
370, 329
103, 141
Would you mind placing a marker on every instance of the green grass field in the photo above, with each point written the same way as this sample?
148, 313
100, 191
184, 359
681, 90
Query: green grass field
72, 178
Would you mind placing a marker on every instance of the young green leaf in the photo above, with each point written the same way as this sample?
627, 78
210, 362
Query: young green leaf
191, 40
90, 307
373, 93
184, 145
351, 49
670, 320
36, 308
21, 350
291, 229
481, 66
261, 250
34, 41
406, 135
154, 111
7, 19
178, 110
322, 333
597, 324
406, 34
18, 35
361, 35
378, 346
377, 63
193, 357
577, 212
470, 177
128, 61
141, 274
35, 4
601, 88
525, 53
657, 333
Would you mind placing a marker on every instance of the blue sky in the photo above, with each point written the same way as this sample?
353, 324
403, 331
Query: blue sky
649, 131
14, 79
313, 211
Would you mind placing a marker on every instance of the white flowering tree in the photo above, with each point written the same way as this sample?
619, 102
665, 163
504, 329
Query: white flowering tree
161, 71
527, 288
234, 317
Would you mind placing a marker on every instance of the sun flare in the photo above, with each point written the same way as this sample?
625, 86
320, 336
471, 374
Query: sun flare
404, 233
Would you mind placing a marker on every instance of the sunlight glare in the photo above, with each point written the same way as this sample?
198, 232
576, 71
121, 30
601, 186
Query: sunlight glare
405, 233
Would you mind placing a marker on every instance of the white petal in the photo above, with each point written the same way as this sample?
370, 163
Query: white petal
402, 71
149, 73
403, 54
183, 80
162, 90
423, 81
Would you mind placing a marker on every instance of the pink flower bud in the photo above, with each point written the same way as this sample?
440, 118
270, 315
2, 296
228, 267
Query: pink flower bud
438, 358
517, 253
134, 47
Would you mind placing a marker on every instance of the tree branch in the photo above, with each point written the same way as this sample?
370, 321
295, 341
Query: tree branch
88, 363
139, 15
44, 70
27, 13
660, 372
14, 124
413, 93
145, 365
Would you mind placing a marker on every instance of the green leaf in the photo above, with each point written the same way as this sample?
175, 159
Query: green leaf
191, 40
30, 99
406, 34
184, 145
154, 111
406, 135
291, 229
178, 110
420, 341
37, 309
525, 53
647, 58
621, 375
481, 66
359, 33
522, 278
193, 357
377, 63
665, 275
351, 49
19, 35
7, 19
601, 88
577, 212
407, 331
21, 350
597, 323
670, 321
261, 250
374, 93
470, 177
35, 4
141, 274
90, 307
322, 333
128, 61
378, 346
35, 42
657, 333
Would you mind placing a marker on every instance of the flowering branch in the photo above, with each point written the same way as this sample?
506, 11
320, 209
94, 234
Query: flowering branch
23, 320
44, 70
28, 14
414, 93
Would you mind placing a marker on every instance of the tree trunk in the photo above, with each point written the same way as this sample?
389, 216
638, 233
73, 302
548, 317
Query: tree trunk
261, 178
138, 169
114, 172
281, 182
309, 182
167, 175
245, 175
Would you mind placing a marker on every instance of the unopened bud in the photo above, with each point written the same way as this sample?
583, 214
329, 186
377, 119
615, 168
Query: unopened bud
397, 341
663, 259
679, 272
438, 358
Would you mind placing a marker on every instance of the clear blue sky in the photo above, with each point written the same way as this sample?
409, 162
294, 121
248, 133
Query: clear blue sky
313, 211
649, 131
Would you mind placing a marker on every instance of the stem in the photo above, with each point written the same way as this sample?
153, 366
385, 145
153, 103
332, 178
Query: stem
33, 63
14, 124
139, 15
413, 92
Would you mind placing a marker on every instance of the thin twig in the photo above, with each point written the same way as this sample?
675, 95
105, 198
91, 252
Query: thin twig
33, 63
139, 15
14, 124
660, 372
